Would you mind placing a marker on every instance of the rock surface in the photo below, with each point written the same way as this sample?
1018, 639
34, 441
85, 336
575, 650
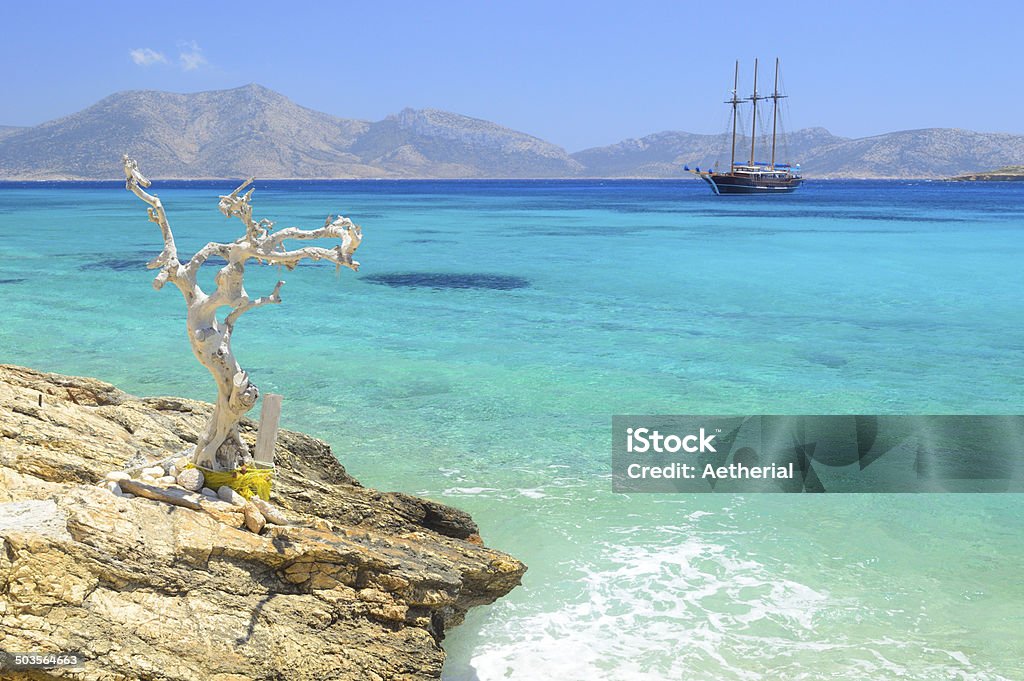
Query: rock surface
360, 585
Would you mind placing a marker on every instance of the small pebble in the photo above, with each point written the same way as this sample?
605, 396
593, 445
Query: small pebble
117, 476
231, 496
166, 480
192, 479
127, 495
173, 471
153, 472
207, 492
114, 488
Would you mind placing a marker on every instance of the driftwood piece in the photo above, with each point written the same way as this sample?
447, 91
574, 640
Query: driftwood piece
168, 495
220, 447
266, 438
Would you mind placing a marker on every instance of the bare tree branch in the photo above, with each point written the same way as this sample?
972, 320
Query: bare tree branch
221, 446
203, 254
273, 299
170, 267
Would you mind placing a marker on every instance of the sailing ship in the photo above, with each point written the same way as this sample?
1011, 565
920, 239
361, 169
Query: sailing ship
753, 177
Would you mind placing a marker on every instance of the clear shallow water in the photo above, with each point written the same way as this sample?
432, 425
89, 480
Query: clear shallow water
495, 394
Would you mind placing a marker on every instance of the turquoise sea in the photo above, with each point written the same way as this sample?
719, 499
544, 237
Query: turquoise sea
495, 327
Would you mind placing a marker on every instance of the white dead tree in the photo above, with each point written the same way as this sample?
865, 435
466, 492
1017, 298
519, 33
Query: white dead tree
221, 447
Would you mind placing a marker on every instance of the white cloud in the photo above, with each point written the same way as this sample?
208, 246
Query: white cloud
191, 56
144, 56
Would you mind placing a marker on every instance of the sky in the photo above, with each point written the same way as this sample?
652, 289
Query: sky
578, 74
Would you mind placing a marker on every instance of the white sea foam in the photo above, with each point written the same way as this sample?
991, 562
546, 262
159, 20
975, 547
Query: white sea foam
468, 491
695, 610
652, 614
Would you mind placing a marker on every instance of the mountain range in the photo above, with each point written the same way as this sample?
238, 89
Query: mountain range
252, 130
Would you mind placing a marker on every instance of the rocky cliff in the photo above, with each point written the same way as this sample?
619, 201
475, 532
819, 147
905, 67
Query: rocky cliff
432, 143
223, 133
252, 130
359, 584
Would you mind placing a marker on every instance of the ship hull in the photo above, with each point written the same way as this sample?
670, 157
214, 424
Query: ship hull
723, 183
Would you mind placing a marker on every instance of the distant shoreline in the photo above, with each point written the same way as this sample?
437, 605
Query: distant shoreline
115, 181
1006, 174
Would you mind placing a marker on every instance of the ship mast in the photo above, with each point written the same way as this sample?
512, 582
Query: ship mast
735, 101
753, 117
775, 108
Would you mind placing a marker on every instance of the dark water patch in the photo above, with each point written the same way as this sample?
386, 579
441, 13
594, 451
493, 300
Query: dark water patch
144, 254
118, 262
449, 280
825, 215
115, 264
694, 231
138, 261
640, 208
846, 231
12, 281
826, 360
831, 317
583, 230
430, 241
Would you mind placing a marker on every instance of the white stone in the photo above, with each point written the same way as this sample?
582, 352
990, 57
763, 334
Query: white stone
173, 471
166, 480
192, 479
117, 476
181, 463
113, 487
153, 472
269, 511
231, 496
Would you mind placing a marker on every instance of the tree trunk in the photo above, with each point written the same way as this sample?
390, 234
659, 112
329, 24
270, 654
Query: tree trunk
221, 446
